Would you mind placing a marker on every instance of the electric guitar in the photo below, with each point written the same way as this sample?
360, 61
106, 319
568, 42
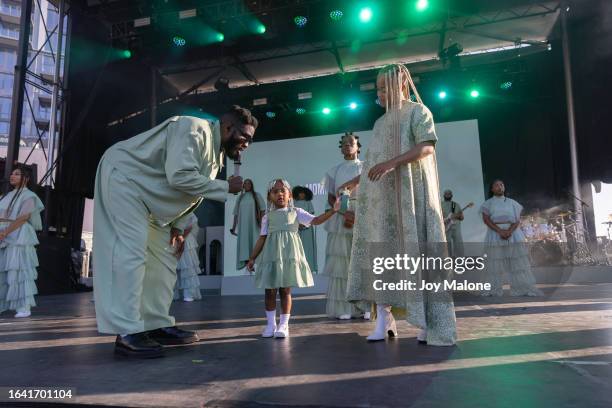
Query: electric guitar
449, 222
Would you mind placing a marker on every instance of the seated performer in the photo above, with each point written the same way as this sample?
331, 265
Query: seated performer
145, 187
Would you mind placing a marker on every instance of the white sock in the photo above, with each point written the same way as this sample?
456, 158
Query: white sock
271, 316
284, 320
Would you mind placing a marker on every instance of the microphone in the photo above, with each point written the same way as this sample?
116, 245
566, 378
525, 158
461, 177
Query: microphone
237, 164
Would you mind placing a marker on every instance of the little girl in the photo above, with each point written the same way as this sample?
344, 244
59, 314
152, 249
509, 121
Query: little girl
282, 264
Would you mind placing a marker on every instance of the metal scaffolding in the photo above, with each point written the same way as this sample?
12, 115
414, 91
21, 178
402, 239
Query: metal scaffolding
51, 85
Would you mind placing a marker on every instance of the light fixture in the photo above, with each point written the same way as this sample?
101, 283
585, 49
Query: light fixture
365, 15
300, 21
353, 105
422, 5
179, 41
336, 15
326, 111
300, 111
442, 95
271, 114
222, 84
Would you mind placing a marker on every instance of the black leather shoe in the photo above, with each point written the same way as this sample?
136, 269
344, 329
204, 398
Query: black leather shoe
169, 336
138, 345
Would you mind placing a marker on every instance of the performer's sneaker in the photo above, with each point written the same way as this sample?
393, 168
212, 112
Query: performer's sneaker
282, 332
169, 336
23, 314
138, 345
269, 331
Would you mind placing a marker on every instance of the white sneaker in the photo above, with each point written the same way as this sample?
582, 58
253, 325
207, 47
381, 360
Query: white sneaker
188, 299
385, 324
269, 331
367, 316
26, 313
344, 317
422, 336
281, 332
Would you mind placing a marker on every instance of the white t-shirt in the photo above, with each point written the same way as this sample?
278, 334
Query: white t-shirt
303, 217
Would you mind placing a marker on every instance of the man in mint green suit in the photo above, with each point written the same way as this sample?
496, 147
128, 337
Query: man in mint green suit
145, 187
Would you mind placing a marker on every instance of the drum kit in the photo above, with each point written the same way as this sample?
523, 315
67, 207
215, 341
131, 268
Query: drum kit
555, 238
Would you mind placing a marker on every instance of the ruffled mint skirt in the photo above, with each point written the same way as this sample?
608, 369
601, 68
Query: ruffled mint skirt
187, 280
282, 263
18, 274
337, 260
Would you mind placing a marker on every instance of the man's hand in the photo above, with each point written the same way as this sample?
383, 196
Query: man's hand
177, 241
235, 184
250, 265
378, 171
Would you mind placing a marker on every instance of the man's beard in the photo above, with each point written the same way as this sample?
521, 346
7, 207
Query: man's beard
448, 199
231, 150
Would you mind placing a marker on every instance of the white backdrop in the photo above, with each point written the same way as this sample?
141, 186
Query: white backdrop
304, 161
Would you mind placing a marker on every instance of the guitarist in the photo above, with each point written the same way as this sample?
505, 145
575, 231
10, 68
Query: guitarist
452, 214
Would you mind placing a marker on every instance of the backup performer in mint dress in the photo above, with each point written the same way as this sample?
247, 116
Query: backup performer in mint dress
248, 211
188, 267
281, 262
18, 260
303, 200
505, 245
340, 234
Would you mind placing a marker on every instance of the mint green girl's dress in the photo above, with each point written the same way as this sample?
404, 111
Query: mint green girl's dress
282, 262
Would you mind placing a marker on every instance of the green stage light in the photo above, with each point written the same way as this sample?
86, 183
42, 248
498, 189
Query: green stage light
442, 95
506, 85
336, 15
474, 93
220, 37
421, 5
300, 21
353, 105
300, 111
365, 15
271, 114
126, 54
326, 111
260, 29
179, 41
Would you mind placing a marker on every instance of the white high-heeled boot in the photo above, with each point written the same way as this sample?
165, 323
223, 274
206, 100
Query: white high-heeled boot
385, 324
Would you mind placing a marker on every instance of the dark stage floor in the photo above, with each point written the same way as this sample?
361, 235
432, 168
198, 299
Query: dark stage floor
554, 351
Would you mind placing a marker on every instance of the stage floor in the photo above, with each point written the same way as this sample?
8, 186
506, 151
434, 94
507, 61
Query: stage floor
512, 352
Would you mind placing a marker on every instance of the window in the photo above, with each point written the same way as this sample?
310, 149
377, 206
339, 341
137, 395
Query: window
10, 8
8, 59
6, 82
5, 108
4, 128
9, 30
48, 65
44, 112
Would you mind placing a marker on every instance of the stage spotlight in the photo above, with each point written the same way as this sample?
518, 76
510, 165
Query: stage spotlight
126, 54
506, 85
336, 15
365, 15
353, 105
421, 5
179, 41
442, 95
260, 29
271, 114
326, 111
220, 37
300, 111
474, 93
222, 84
300, 21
